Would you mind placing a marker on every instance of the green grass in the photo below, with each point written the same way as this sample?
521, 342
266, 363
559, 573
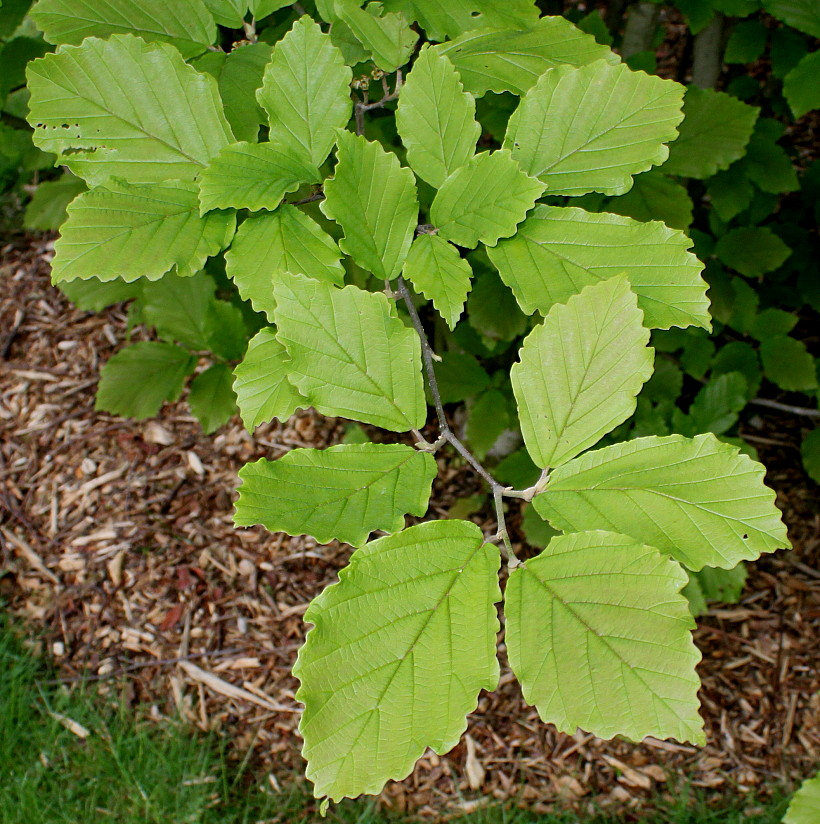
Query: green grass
130, 770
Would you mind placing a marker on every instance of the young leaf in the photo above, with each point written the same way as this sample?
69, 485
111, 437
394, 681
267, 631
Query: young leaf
752, 250
716, 406
342, 493
699, 500
559, 250
511, 61
723, 585
239, 78
130, 231
306, 91
351, 356
460, 376
804, 808
484, 200
373, 198
261, 383
400, 648
730, 191
253, 176
714, 133
436, 269
387, 37
788, 364
767, 164
188, 26
285, 241
211, 398
229, 13
436, 118
440, 20
136, 381
654, 196
619, 663
589, 129
126, 108
580, 371
800, 86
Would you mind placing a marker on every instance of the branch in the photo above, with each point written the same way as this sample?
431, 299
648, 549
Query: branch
363, 106
447, 434
786, 407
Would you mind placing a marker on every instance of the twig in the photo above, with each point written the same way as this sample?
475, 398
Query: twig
786, 407
309, 199
363, 106
446, 434
250, 32
15, 328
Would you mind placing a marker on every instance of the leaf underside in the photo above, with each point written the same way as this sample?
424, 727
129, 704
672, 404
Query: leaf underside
557, 251
580, 371
590, 128
351, 356
400, 648
130, 231
699, 500
342, 493
620, 661
126, 108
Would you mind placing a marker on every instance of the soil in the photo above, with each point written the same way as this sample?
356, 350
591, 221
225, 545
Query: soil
118, 547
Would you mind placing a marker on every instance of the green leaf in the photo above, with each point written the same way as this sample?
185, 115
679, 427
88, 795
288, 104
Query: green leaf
125, 231
512, 61
228, 329
788, 364
723, 585
127, 108
752, 250
716, 406
589, 129
188, 25
239, 78
460, 376
802, 14
715, 131
440, 20
93, 295
484, 200
178, 308
772, 322
285, 241
261, 383
810, 452
262, 8
253, 176
306, 91
436, 269
229, 13
136, 381
654, 196
615, 654
560, 250
488, 419
46, 211
804, 807
351, 356
580, 371
738, 356
767, 164
342, 493
436, 118
536, 530
373, 198
12, 14
15, 54
211, 398
400, 648
800, 86
388, 37
730, 191
697, 499
788, 48
492, 310
746, 42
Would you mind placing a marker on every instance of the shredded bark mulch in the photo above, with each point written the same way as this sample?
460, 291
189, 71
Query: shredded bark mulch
117, 544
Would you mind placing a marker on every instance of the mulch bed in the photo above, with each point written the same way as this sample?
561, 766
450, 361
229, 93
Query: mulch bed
117, 544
